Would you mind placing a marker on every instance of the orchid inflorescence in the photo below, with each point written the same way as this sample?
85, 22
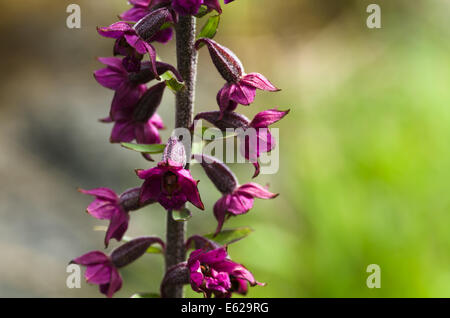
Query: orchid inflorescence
209, 269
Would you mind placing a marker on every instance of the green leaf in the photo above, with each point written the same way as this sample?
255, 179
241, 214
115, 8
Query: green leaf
150, 149
146, 295
209, 30
182, 215
172, 82
202, 11
153, 250
230, 236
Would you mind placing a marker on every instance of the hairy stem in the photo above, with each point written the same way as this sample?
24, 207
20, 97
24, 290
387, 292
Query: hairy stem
187, 66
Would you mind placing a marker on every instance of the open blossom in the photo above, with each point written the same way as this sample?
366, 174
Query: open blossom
255, 137
169, 183
116, 77
129, 44
129, 87
213, 273
192, 7
127, 129
236, 199
109, 206
260, 139
140, 123
100, 271
239, 201
141, 8
240, 87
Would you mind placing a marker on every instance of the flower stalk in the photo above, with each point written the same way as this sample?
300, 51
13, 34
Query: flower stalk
187, 66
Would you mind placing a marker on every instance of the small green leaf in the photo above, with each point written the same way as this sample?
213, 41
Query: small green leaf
146, 295
166, 25
202, 11
230, 236
182, 215
172, 82
150, 149
153, 250
209, 30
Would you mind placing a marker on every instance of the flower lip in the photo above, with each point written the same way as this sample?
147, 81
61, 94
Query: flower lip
213, 273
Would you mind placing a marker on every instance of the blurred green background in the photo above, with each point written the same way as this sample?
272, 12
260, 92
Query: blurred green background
364, 154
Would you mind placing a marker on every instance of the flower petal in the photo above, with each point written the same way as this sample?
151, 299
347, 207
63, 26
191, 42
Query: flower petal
256, 191
102, 193
115, 284
109, 78
94, 257
243, 94
258, 81
115, 30
215, 256
123, 131
134, 14
268, 117
118, 226
98, 273
147, 133
189, 188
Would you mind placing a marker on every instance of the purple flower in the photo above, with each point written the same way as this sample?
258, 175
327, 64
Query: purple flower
140, 123
240, 87
259, 140
213, 273
140, 9
187, 7
125, 35
169, 183
127, 129
109, 206
192, 7
116, 77
129, 87
100, 271
237, 199
254, 136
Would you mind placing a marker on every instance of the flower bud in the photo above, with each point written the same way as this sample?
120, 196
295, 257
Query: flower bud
132, 250
146, 73
149, 25
129, 200
226, 62
200, 242
224, 120
175, 275
149, 102
219, 173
